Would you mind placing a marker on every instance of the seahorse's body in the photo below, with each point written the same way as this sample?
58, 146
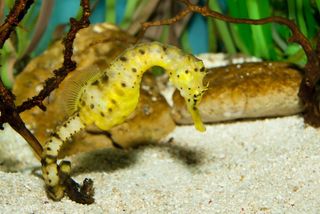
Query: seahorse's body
108, 97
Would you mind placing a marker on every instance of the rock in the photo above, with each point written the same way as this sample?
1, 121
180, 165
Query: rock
250, 90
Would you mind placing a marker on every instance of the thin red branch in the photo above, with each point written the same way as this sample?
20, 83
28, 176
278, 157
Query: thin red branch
16, 14
206, 11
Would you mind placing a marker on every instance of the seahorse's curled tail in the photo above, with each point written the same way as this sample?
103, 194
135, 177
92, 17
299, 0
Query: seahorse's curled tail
51, 171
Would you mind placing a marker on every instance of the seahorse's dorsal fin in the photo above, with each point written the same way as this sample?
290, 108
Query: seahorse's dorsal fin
74, 85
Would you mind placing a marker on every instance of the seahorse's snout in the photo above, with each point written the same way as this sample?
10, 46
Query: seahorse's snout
194, 94
194, 111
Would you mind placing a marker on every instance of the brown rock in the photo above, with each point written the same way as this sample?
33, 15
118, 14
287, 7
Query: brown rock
250, 90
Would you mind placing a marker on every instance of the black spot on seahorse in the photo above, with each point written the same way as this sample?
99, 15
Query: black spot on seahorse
123, 59
55, 135
51, 158
123, 85
110, 110
164, 48
195, 101
142, 51
134, 70
48, 159
95, 82
91, 106
43, 162
202, 69
104, 79
186, 71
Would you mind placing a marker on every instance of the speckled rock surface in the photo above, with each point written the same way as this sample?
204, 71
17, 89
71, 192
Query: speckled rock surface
250, 90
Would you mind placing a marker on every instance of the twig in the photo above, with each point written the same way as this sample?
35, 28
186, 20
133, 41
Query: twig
16, 14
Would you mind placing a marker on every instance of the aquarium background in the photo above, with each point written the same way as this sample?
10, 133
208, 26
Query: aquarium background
199, 35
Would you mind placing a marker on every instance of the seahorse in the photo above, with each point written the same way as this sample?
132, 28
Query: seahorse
106, 98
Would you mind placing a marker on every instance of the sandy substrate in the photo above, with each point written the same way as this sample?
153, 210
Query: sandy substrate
262, 166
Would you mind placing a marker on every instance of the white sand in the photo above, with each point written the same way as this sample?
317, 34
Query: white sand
263, 166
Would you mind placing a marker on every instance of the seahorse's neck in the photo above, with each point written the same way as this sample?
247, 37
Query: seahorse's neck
185, 72
130, 66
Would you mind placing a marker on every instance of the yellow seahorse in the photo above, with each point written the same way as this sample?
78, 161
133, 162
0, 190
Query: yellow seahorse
106, 98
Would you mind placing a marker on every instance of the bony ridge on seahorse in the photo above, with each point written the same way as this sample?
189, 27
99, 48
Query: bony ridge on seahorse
106, 98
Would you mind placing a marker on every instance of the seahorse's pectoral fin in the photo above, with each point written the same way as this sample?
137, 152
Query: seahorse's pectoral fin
74, 85
194, 111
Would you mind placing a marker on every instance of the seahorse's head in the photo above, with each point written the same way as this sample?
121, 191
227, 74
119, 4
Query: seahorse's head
186, 72
189, 81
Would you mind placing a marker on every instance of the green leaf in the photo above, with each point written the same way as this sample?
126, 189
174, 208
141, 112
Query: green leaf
130, 9
300, 17
296, 54
24, 30
211, 36
311, 23
157, 70
318, 5
257, 34
241, 33
6, 52
164, 34
185, 42
223, 29
111, 11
